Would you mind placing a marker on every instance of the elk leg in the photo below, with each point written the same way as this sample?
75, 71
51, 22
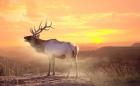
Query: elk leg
76, 67
49, 67
53, 64
70, 68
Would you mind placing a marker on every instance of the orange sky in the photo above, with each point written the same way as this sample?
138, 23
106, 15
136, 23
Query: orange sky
82, 22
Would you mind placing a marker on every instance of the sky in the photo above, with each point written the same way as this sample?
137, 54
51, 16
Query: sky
83, 22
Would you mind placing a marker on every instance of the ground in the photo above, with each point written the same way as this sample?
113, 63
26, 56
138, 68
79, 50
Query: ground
42, 80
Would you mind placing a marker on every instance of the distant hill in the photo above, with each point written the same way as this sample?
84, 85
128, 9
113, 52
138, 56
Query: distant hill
118, 52
136, 45
86, 53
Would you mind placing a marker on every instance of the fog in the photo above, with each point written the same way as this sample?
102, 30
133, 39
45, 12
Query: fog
106, 66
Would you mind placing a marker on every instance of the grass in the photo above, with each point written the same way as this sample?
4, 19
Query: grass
11, 67
101, 71
114, 72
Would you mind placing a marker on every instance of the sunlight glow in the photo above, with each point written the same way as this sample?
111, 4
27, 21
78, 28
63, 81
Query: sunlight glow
97, 36
87, 22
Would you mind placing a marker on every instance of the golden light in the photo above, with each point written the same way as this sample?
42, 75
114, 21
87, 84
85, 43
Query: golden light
97, 36
72, 22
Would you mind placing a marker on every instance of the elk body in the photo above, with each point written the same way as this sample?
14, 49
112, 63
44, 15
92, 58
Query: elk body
52, 48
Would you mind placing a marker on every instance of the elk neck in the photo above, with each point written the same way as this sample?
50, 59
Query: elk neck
38, 44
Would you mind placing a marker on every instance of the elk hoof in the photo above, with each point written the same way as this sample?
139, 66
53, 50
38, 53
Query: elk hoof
48, 74
53, 74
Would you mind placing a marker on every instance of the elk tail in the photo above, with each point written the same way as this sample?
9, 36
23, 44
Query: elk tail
75, 51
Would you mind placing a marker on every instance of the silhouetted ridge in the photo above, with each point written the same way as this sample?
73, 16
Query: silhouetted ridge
119, 52
136, 45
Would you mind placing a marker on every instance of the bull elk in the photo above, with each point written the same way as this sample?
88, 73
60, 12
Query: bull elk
52, 48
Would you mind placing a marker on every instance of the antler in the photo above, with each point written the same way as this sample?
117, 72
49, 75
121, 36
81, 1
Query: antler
40, 29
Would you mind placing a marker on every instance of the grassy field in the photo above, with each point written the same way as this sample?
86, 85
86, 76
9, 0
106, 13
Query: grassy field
116, 73
101, 71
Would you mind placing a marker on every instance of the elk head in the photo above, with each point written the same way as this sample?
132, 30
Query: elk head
36, 32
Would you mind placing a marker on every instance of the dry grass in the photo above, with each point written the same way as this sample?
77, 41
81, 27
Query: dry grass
101, 71
108, 72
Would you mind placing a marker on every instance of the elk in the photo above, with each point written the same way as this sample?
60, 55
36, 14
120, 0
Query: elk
52, 48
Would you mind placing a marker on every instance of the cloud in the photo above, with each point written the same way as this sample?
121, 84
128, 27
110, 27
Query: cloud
78, 21
97, 6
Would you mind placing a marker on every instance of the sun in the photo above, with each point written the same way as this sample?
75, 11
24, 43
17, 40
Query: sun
97, 40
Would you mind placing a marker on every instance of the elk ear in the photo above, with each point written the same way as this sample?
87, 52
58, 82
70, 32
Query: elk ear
37, 36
